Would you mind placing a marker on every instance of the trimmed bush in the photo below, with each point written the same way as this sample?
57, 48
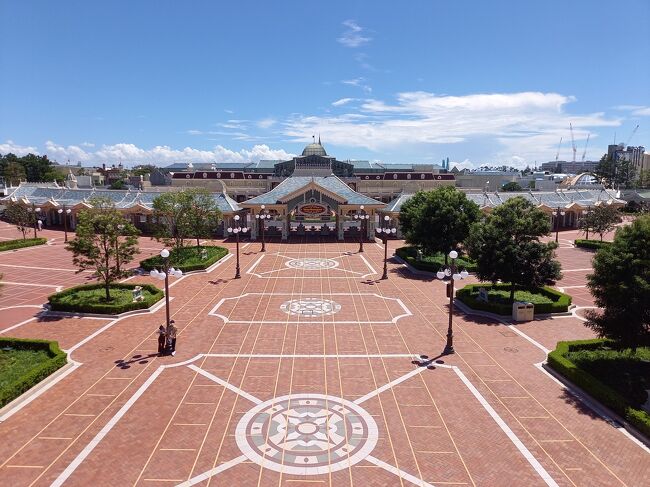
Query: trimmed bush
187, 258
12, 388
559, 362
20, 243
546, 299
591, 244
78, 299
432, 263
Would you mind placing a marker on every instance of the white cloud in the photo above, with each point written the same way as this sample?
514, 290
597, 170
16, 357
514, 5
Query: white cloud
642, 112
342, 101
527, 125
353, 35
266, 123
466, 164
130, 154
20, 150
359, 83
87, 144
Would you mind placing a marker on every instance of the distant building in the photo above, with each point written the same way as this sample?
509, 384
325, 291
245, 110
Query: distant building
570, 167
486, 180
635, 155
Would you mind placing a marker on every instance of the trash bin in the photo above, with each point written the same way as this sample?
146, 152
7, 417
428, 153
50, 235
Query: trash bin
523, 311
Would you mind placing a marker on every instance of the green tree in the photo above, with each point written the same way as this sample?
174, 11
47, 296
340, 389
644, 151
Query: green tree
180, 215
143, 169
512, 186
615, 173
507, 248
643, 179
20, 216
119, 184
620, 285
438, 220
601, 220
97, 244
14, 173
204, 214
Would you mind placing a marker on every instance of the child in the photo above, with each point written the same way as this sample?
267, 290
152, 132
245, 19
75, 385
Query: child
161, 340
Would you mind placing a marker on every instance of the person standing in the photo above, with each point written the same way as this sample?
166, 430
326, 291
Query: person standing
171, 337
162, 338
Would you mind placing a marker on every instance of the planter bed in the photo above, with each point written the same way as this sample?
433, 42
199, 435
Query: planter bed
545, 299
24, 363
613, 377
91, 299
187, 258
591, 244
431, 263
20, 243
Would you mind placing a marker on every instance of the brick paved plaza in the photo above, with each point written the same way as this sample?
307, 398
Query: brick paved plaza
304, 372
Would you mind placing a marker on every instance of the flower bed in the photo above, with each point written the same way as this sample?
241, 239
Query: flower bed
432, 263
187, 258
545, 299
91, 298
591, 244
592, 366
20, 243
24, 363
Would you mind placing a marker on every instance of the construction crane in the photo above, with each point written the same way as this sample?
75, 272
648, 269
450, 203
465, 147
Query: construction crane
557, 154
631, 135
573, 143
584, 154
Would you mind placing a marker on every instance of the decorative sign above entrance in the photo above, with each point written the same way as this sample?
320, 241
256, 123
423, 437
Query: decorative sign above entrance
312, 209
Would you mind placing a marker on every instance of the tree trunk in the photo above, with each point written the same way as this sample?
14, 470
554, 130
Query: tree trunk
446, 260
512, 293
198, 242
108, 293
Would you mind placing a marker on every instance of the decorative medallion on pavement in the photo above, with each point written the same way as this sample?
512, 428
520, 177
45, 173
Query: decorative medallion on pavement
312, 264
306, 434
310, 307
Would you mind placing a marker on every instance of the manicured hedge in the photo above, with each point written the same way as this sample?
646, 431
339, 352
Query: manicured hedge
469, 296
591, 244
609, 397
150, 298
186, 258
20, 243
431, 263
58, 359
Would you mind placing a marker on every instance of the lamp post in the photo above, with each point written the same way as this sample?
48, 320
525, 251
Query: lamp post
558, 213
164, 275
260, 217
586, 216
384, 232
65, 212
363, 217
453, 275
237, 230
35, 212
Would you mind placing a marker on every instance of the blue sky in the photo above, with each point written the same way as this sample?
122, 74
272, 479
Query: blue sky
478, 82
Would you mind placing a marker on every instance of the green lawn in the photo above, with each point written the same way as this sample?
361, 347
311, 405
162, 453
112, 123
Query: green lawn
20, 243
15, 364
92, 297
545, 299
187, 258
623, 371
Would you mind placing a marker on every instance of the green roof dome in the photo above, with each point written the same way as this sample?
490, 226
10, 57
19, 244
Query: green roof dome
314, 149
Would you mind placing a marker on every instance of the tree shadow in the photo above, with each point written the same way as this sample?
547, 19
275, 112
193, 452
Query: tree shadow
215, 282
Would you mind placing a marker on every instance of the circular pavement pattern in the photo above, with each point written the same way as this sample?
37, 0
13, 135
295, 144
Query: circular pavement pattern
306, 434
312, 264
310, 307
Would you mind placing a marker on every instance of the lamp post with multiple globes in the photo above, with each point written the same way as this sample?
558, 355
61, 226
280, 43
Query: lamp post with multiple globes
453, 275
260, 217
164, 275
237, 230
384, 232
362, 217
65, 213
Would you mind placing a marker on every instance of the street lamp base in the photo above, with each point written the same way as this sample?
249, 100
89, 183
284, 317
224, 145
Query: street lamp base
449, 349
385, 275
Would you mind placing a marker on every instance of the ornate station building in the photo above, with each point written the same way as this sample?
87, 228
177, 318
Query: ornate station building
309, 195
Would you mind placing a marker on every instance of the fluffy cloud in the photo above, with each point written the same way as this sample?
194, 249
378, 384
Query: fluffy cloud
342, 101
20, 150
353, 35
527, 125
359, 83
130, 154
